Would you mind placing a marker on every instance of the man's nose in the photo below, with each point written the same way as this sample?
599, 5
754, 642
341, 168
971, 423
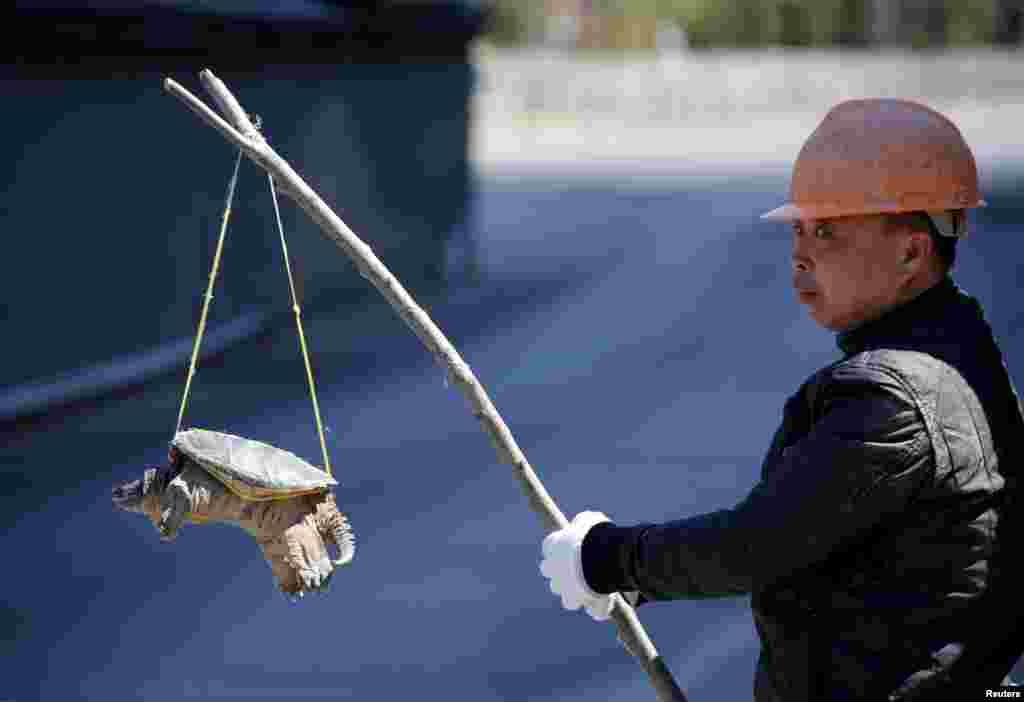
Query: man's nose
801, 262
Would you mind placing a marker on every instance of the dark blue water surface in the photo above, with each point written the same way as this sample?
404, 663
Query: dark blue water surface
639, 338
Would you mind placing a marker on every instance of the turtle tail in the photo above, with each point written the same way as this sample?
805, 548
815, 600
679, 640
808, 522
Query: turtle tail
335, 527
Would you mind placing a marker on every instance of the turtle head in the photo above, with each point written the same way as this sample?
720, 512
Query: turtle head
129, 496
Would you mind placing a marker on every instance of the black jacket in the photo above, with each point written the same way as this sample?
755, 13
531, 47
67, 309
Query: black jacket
877, 544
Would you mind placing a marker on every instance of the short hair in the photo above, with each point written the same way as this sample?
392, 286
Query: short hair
945, 246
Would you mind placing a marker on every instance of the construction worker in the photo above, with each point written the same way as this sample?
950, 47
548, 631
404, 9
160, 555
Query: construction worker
878, 544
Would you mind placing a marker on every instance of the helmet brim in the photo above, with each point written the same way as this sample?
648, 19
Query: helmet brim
791, 212
785, 213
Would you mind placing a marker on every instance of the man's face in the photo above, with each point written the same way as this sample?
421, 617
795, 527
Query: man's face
847, 270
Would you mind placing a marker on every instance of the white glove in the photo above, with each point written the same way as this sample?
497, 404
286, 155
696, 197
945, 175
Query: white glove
563, 566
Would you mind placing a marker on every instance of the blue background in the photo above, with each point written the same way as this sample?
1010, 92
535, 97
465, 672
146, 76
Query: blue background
639, 337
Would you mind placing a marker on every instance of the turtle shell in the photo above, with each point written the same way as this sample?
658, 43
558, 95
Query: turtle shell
252, 469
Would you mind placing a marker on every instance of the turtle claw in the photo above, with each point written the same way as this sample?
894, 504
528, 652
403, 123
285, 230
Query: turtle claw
310, 580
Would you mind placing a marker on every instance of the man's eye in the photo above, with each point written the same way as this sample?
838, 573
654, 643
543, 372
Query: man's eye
823, 231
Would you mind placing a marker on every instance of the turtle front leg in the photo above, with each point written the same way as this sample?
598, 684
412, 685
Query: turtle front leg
175, 504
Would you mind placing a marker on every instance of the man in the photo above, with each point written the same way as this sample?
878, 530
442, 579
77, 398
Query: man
878, 545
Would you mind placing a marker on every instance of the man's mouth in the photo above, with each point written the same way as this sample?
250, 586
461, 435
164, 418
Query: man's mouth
804, 285
804, 293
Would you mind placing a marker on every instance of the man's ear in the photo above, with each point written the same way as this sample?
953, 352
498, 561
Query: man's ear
917, 250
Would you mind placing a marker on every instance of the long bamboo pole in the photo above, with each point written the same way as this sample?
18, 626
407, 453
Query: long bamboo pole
240, 131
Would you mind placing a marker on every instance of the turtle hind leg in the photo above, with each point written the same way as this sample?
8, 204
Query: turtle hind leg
275, 552
299, 555
306, 552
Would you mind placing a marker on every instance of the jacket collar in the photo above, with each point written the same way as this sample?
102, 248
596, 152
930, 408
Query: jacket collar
911, 325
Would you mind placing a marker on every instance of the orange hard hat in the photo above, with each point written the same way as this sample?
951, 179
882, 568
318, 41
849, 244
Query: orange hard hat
881, 155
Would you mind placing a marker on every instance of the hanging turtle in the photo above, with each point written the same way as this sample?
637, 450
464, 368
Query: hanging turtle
280, 500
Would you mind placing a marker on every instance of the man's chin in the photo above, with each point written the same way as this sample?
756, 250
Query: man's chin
821, 318
832, 324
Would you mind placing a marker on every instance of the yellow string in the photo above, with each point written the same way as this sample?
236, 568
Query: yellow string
209, 290
298, 324
295, 307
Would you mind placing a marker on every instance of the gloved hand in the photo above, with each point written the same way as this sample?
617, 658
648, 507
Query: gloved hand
562, 564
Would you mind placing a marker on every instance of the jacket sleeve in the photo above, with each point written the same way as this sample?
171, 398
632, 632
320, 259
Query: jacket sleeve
862, 460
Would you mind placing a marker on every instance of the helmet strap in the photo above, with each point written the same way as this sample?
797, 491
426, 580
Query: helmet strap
951, 223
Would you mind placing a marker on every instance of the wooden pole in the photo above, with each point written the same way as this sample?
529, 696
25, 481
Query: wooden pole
240, 131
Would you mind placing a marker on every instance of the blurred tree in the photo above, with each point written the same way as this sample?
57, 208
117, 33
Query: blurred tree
514, 22
971, 23
797, 23
746, 19
924, 23
1009, 22
794, 24
851, 28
